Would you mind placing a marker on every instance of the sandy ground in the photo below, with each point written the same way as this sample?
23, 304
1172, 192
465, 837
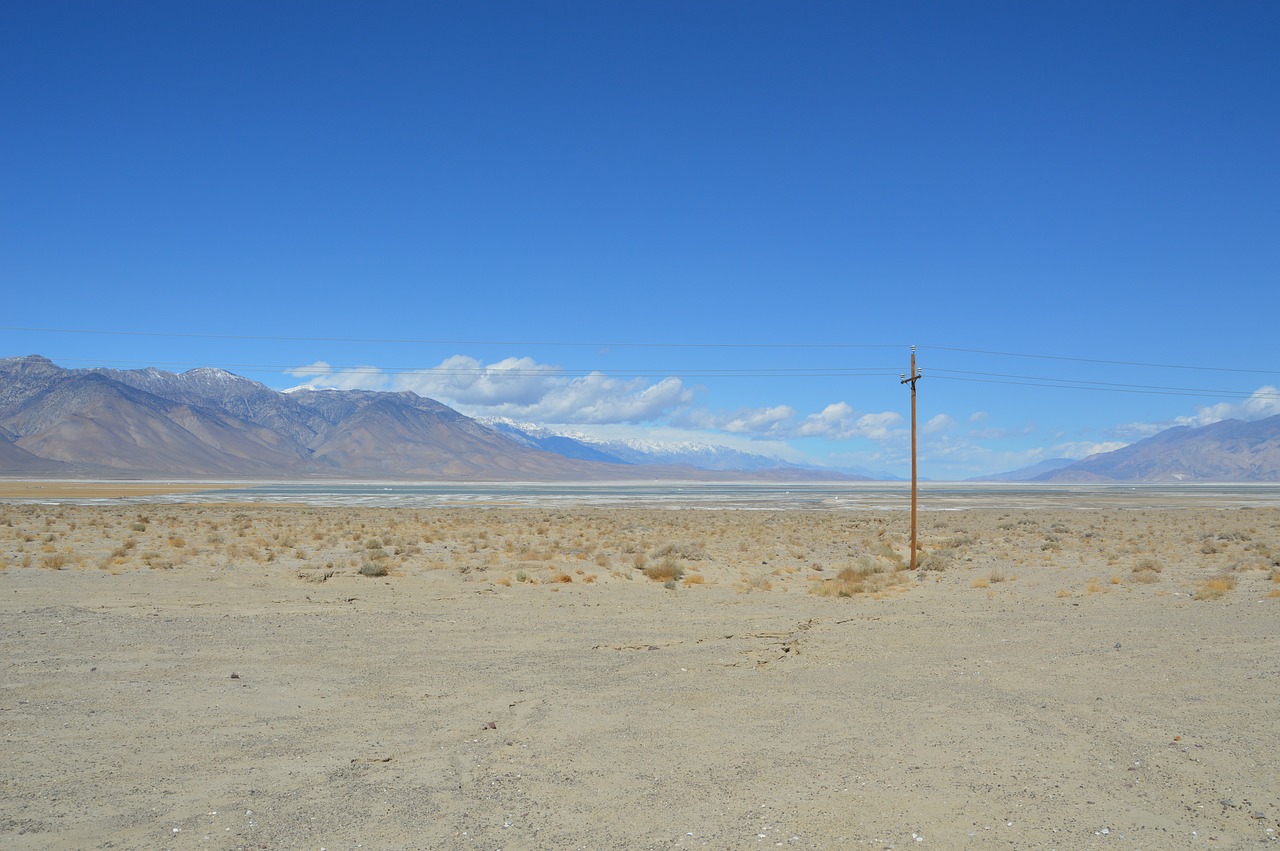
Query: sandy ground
274, 677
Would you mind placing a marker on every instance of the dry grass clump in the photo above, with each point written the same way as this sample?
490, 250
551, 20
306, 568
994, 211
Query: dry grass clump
865, 576
689, 551
373, 568
939, 559
1214, 588
667, 570
54, 561
1146, 571
994, 577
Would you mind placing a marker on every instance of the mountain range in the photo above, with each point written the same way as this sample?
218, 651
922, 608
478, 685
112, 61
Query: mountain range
1225, 451
209, 422
703, 456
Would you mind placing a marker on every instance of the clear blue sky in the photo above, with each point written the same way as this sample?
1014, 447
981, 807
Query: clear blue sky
541, 187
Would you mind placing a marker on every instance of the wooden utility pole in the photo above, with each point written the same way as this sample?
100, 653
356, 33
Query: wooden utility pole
914, 377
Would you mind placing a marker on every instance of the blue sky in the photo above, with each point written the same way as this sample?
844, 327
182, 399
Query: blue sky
722, 221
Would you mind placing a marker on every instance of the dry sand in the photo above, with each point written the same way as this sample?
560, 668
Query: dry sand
241, 677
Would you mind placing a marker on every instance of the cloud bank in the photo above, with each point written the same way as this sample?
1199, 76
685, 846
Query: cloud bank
837, 421
519, 388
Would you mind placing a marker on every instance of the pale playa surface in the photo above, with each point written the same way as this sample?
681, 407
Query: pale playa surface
1070, 703
71, 489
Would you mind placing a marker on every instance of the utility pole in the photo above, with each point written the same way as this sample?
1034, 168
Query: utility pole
915, 376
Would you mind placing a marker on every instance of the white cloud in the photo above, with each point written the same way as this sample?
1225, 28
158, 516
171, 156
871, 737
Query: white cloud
978, 417
1264, 402
519, 388
940, 422
1083, 448
464, 380
839, 421
598, 398
523, 389
322, 374
776, 420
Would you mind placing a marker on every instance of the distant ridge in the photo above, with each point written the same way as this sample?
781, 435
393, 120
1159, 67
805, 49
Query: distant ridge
212, 423
209, 422
701, 456
1225, 451
1026, 474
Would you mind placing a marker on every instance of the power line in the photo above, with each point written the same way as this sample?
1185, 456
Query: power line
623, 344
328, 370
1212, 394
1105, 362
564, 343
1087, 384
521, 372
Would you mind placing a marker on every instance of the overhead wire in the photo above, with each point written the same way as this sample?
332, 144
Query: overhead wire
522, 372
1086, 384
442, 342
322, 370
1102, 361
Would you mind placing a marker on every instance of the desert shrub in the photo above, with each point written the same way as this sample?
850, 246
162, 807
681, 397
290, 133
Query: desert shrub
866, 576
1146, 571
54, 561
936, 560
687, 551
373, 568
667, 569
1215, 587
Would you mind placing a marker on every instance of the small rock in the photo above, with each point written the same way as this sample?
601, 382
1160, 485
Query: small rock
234, 675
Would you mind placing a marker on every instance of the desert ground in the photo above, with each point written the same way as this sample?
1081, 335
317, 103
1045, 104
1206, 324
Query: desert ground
249, 676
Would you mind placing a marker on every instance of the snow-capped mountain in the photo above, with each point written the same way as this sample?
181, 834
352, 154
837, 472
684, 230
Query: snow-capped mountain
701, 456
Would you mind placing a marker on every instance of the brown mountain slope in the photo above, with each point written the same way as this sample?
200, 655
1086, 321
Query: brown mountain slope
88, 419
387, 437
212, 423
1226, 451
